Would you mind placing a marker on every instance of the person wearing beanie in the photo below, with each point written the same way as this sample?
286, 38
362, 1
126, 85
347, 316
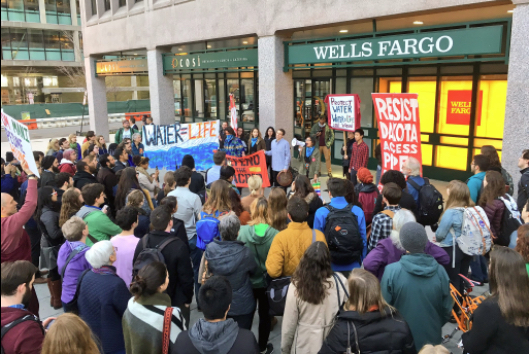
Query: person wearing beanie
103, 298
418, 287
198, 185
366, 193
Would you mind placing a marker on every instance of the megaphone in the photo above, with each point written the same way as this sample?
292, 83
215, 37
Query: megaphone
296, 142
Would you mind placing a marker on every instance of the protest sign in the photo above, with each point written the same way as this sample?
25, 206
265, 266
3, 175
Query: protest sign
343, 112
399, 128
166, 145
253, 164
20, 143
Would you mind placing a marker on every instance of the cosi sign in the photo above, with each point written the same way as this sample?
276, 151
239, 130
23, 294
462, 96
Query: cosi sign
469, 41
229, 59
122, 67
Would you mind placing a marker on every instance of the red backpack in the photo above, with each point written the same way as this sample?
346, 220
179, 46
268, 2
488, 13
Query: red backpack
368, 204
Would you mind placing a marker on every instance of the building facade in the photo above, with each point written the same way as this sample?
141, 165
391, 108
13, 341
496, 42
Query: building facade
467, 60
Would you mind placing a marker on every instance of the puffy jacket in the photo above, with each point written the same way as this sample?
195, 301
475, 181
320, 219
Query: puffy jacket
234, 261
68, 168
82, 178
258, 239
49, 226
494, 213
377, 333
100, 226
74, 269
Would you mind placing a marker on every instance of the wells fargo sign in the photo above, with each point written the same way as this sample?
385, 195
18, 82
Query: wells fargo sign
459, 106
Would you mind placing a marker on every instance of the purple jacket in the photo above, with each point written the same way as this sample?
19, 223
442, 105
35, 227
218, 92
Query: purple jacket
74, 269
386, 253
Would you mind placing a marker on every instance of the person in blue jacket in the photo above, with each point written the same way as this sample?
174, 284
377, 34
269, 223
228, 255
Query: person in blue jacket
479, 166
337, 192
412, 170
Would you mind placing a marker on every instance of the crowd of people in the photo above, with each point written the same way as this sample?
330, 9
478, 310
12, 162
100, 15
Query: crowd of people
125, 255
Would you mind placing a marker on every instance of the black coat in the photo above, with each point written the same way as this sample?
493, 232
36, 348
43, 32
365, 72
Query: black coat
47, 178
49, 226
491, 334
107, 177
198, 186
179, 230
82, 178
406, 201
178, 262
388, 334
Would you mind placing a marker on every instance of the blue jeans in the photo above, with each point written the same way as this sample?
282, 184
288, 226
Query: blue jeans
196, 258
479, 268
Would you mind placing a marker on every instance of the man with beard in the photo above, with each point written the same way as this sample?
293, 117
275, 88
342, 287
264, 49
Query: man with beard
63, 182
25, 333
50, 168
107, 177
86, 172
121, 159
126, 145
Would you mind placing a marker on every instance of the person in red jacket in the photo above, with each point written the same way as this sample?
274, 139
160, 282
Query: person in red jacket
16, 244
67, 164
24, 332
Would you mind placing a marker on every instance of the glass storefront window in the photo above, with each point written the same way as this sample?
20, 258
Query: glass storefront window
233, 88
364, 87
6, 44
186, 96
490, 113
210, 99
341, 86
199, 98
19, 43
58, 12
53, 45
247, 99
36, 45
20, 10
454, 105
425, 87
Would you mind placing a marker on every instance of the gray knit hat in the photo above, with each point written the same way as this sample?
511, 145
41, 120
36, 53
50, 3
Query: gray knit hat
413, 237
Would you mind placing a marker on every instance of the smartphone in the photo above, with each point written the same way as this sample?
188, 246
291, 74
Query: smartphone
104, 209
50, 323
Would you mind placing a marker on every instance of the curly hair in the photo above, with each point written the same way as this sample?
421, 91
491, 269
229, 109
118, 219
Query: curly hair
71, 204
310, 277
522, 244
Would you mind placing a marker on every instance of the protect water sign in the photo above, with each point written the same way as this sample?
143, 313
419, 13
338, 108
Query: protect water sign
469, 41
343, 112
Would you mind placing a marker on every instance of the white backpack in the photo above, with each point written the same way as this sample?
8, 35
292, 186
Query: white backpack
475, 238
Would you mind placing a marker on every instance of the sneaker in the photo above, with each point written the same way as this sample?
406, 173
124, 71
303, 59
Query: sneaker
269, 349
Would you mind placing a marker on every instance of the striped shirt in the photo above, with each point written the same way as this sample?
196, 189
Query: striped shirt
359, 156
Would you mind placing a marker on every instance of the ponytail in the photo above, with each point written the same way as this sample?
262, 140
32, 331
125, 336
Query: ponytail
148, 280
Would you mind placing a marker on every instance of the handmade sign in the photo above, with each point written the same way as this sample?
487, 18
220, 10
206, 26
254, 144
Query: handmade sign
166, 145
399, 128
343, 112
253, 164
20, 143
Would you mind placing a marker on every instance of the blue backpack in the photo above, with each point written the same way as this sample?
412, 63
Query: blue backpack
208, 229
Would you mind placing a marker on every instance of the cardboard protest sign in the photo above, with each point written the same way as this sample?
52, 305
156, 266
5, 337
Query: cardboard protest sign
253, 164
399, 128
20, 143
166, 145
343, 112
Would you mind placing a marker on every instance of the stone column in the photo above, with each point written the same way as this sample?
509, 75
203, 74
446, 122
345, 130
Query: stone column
42, 11
516, 127
77, 47
74, 12
161, 89
276, 95
97, 99
134, 86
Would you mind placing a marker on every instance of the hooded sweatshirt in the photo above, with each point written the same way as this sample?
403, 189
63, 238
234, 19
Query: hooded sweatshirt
234, 261
420, 289
474, 183
258, 239
100, 226
223, 337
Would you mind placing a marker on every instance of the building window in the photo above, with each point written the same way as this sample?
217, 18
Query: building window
122, 3
29, 44
93, 4
107, 5
20, 10
36, 45
58, 12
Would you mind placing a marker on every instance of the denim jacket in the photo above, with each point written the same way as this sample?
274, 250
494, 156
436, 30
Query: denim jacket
452, 219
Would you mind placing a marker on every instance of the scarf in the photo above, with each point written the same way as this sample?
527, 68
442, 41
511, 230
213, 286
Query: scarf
73, 145
321, 125
308, 154
144, 172
66, 161
254, 141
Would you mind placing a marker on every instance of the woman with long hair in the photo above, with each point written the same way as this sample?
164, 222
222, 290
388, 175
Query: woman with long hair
314, 297
495, 165
522, 244
303, 188
243, 136
128, 182
256, 142
366, 319
219, 200
69, 334
67, 163
53, 147
236, 206
47, 217
101, 143
277, 209
72, 139
255, 185
258, 237
269, 137
147, 182
450, 229
136, 199
71, 203
150, 300
309, 159
500, 324
169, 184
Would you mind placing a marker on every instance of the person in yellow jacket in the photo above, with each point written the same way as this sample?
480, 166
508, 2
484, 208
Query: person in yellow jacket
290, 244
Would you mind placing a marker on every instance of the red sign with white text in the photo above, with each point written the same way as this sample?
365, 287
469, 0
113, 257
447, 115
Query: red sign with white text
253, 164
459, 104
399, 128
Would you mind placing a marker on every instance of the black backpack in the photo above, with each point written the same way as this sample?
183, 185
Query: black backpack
509, 222
149, 255
9, 326
343, 235
430, 203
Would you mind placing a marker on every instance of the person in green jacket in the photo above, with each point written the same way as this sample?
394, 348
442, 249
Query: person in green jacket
125, 132
324, 136
100, 227
258, 237
419, 288
309, 159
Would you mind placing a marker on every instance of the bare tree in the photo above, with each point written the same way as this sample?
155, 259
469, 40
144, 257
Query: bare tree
75, 74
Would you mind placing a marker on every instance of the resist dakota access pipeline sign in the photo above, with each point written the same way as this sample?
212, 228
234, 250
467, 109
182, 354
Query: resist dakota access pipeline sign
166, 145
400, 131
